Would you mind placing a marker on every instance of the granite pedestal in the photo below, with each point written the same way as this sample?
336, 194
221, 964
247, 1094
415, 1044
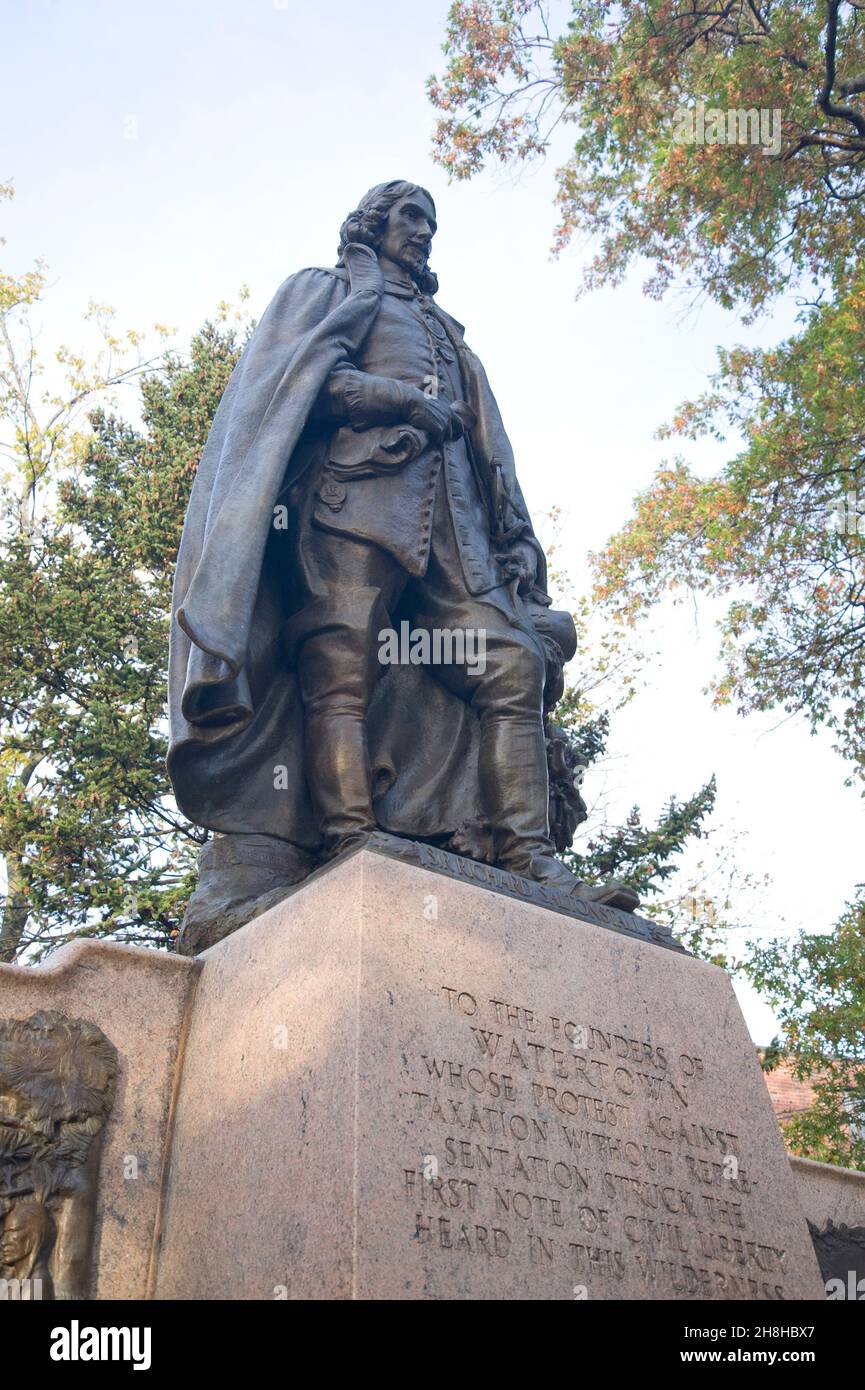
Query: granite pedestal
400, 1085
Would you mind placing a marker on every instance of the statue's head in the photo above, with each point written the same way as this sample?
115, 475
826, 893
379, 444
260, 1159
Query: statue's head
27, 1234
398, 220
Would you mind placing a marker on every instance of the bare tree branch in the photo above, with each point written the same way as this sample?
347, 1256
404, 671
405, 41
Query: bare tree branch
824, 99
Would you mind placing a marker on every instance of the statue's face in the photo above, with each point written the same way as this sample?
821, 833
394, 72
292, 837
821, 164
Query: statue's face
408, 234
18, 1238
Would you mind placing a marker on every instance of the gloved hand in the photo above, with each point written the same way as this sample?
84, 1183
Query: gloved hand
365, 400
436, 417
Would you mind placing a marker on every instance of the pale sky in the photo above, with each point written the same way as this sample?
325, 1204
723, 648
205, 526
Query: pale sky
165, 154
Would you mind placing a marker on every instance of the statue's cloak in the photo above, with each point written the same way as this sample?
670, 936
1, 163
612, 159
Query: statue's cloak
236, 722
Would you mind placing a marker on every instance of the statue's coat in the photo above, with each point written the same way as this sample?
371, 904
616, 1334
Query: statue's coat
236, 723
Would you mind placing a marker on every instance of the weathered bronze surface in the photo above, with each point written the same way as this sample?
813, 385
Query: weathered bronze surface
356, 506
57, 1083
840, 1252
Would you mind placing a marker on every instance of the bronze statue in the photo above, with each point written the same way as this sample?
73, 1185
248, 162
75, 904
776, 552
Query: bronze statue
363, 641
58, 1078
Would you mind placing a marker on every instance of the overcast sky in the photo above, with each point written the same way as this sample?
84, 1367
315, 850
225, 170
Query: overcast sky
165, 154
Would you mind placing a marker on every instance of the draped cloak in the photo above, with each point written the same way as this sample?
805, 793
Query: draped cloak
236, 723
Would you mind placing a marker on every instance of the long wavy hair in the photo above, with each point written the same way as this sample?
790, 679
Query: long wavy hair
367, 222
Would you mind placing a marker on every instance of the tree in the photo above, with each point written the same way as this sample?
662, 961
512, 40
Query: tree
643, 856
602, 680
779, 531
815, 983
720, 217
92, 509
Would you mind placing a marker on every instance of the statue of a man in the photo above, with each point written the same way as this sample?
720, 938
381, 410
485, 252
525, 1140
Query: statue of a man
358, 486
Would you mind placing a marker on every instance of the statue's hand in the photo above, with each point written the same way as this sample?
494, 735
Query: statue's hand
376, 400
436, 417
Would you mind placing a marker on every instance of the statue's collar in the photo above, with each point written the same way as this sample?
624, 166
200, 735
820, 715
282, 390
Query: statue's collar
401, 290
396, 287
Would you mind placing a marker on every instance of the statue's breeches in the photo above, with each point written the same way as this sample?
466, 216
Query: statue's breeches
355, 595
353, 590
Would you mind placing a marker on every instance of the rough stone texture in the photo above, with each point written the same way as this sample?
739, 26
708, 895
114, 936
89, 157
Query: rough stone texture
139, 999
833, 1200
827, 1193
342, 1131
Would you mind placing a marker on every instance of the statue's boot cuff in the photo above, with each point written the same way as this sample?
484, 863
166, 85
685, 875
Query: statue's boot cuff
374, 838
344, 844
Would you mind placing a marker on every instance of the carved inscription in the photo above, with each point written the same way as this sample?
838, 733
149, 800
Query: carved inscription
587, 1149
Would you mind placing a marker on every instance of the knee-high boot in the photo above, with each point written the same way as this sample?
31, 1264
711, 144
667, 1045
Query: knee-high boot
337, 671
515, 789
337, 762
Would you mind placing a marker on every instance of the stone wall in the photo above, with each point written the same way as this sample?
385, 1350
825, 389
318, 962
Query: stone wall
833, 1200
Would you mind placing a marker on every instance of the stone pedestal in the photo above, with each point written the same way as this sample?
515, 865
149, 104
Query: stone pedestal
139, 999
398, 1085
